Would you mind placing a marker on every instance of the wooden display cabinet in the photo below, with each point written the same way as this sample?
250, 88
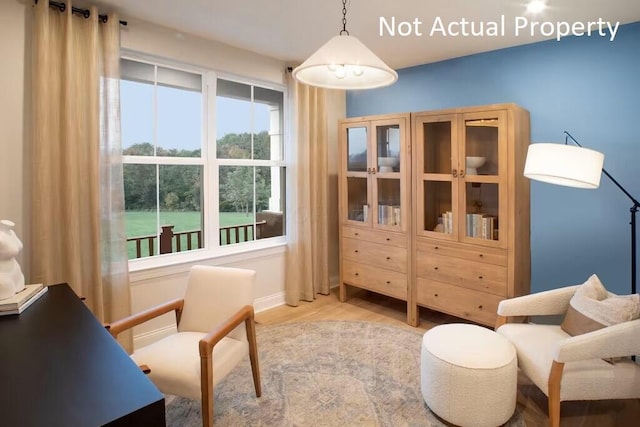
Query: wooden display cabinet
471, 209
374, 206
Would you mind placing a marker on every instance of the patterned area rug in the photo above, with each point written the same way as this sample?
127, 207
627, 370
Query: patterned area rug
329, 373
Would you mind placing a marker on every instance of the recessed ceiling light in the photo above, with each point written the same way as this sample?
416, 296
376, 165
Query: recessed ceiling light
536, 6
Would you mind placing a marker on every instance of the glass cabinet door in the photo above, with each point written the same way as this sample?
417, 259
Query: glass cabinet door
481, 170
375, 174
387, 171
357, 173
436, 153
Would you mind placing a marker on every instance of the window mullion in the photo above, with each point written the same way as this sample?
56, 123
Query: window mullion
212, 210
155, 152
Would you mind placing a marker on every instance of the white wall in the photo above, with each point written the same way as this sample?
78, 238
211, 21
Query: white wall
152, 286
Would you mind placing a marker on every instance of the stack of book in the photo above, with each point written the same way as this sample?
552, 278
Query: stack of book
22, 300
389, 214
447, 222
482, 226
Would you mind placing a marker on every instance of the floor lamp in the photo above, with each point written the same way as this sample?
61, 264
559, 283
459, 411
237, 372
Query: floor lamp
576, 166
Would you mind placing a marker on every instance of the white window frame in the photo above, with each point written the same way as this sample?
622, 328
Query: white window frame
210, 198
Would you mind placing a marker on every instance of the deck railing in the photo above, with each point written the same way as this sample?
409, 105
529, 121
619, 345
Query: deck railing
171, 241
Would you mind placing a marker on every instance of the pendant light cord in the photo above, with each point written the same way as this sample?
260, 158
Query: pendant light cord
344, 18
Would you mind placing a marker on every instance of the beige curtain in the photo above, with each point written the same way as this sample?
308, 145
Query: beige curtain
307, 271
77, 224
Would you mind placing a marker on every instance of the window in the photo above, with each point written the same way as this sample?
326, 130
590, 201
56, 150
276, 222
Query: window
185, 190
249, 150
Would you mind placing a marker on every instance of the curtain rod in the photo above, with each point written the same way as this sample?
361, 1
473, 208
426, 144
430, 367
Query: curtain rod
84, 12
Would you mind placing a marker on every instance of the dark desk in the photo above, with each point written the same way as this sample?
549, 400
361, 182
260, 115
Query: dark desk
60, 367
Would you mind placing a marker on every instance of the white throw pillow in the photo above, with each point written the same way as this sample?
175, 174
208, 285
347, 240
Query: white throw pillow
592, 308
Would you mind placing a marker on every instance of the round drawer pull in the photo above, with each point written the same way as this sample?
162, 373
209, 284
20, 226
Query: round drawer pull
479, 277
356, 251
435, 268
388, 282
481, 255
357, 274
480, 306
356, 234
388, 258
435, 295
436, 248
388, 239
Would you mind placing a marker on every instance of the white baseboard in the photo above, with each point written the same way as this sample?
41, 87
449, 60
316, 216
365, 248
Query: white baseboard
270, 301
278, 299
334, 281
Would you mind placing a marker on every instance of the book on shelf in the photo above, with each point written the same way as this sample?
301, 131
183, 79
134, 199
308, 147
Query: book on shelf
447, 222
482, 226
477, 224
23, 299
489, 225
385, 214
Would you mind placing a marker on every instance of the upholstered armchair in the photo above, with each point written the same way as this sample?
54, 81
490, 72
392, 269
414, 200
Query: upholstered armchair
590, 366
216, 330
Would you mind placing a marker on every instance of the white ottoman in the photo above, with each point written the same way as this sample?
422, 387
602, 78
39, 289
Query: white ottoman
468, 375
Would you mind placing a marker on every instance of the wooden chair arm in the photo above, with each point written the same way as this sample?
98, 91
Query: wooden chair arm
121, 325
245, 314
500, 320
212, 338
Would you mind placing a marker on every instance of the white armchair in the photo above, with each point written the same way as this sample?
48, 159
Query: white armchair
566, 367
216, 331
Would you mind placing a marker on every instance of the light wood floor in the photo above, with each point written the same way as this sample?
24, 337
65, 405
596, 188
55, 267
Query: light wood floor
368, 306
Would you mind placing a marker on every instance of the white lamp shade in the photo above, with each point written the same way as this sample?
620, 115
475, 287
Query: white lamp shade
345, 63
564, 165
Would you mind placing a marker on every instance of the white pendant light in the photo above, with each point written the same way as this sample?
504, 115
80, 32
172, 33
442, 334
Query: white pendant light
344, 63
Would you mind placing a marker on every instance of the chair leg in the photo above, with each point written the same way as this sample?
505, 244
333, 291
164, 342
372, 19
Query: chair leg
555, 379
253, 354
206, 388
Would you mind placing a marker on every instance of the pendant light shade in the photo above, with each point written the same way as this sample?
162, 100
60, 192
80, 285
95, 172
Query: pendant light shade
564, 165
345, 63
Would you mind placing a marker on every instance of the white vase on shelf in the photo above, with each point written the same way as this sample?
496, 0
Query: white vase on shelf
11, 277
473, 163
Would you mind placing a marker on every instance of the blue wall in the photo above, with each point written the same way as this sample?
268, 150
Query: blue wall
585, 85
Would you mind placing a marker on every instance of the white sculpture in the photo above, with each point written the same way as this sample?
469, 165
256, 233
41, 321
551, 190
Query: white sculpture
11, 277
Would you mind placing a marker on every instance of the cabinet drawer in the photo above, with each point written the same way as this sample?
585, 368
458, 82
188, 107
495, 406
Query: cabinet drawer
384, 256
393, 239
460, 250
474, 275
469, 304
375, 279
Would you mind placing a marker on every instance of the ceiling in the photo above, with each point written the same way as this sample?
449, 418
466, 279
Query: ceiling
291, 30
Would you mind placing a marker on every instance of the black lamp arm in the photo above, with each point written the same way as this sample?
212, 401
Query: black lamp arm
633, 210
636, 204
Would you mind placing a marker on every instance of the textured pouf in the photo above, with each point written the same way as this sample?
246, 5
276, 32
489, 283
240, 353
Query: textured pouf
468, 375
